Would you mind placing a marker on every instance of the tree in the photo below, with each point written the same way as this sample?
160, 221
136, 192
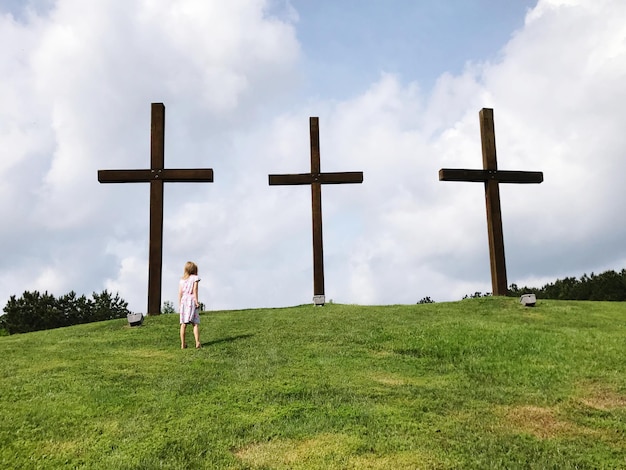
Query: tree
34, 311
107, 307
31, 312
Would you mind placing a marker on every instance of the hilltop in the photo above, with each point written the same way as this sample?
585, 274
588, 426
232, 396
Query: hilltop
480, 383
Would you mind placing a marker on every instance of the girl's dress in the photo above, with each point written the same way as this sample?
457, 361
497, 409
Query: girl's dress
188, 309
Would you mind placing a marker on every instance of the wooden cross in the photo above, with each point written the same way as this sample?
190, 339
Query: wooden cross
156, 175
316, 178
491, 177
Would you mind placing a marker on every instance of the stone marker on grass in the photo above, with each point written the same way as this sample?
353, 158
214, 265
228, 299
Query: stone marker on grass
528, 300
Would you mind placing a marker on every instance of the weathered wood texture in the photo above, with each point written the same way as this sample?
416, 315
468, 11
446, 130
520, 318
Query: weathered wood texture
491, 177
480, 176
156, 175
316, 178
191, 175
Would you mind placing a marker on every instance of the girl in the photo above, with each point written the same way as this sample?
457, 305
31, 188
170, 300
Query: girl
188, 302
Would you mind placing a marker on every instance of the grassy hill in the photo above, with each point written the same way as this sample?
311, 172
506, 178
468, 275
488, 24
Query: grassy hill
481, 383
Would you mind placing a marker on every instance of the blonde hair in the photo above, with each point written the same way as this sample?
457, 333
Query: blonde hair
190, 268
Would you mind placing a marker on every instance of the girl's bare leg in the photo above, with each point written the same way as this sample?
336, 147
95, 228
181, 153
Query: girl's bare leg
183, 328
196, 335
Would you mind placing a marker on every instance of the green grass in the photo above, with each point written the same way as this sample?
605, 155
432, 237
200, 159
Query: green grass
481, 383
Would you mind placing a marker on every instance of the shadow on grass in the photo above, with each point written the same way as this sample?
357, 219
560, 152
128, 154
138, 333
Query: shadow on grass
230, 339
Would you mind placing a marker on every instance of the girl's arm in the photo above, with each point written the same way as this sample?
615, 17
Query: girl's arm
195, 293
180, 293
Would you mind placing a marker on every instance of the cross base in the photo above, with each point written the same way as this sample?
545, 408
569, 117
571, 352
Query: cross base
319, 300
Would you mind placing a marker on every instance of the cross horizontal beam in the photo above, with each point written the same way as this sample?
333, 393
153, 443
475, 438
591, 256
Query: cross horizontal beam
501, 176
172, 175
322, 178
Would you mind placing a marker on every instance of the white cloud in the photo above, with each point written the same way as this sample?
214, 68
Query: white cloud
77, 91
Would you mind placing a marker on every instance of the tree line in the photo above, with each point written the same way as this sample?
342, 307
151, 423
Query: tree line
34, 311
610, 285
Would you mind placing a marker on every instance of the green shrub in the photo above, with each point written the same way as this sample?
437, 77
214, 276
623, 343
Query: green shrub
168, 307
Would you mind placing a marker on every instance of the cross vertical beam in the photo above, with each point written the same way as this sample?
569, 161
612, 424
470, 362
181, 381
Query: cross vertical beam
157, 175
316, 210
316, 178
491, 177
495, 234
155, 255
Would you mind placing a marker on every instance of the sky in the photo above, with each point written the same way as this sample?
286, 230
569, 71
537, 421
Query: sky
397, 86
